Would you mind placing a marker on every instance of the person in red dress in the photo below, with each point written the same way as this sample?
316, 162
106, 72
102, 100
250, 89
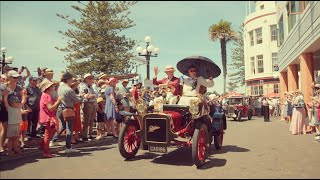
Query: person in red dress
77, 128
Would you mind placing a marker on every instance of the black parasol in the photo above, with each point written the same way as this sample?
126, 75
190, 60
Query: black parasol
205, 66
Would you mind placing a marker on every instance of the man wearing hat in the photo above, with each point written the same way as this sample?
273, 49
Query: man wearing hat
33, 101
172, 81
69, 99
125, 94
103, 77
48, 74
89, 105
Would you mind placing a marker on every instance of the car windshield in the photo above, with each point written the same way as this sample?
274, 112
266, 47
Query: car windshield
235, 101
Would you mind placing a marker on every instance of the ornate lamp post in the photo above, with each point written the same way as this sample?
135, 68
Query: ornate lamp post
5, 60
148, 52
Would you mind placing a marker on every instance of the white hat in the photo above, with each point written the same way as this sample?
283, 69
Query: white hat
169, 69
48, 71
87, 75
13, 73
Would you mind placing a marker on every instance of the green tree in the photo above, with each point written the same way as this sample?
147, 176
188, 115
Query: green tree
223, 32
96, 42
232, 86
237, 75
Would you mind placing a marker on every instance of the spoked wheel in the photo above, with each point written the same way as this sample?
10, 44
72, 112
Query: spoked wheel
218, 139
200, 145
129, 142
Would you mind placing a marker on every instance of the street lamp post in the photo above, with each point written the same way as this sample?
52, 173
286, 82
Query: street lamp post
5, 60
148, 52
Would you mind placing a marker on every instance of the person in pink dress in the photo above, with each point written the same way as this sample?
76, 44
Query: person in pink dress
298, 123
48, 117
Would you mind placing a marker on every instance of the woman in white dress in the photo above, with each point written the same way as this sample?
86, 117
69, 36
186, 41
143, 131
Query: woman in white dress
191, 86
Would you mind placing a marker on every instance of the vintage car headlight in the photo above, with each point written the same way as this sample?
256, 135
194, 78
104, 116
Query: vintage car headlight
158, 106
194, 108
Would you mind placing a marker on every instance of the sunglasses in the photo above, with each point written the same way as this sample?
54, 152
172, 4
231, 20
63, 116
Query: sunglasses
15, 77
193, 70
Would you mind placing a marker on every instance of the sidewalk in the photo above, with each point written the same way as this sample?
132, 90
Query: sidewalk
34, 151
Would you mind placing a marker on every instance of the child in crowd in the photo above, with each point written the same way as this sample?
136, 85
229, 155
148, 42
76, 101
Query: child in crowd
101, 118
24, 125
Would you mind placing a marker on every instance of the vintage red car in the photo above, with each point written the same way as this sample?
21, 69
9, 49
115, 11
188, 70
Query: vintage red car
172, 125
239, 107
175, 126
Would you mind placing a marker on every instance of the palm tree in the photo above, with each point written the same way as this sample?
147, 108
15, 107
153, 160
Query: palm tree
222, 31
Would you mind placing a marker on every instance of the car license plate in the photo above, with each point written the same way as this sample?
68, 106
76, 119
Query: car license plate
160, 149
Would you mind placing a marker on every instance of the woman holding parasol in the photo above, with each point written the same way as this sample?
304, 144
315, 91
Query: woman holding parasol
198, 69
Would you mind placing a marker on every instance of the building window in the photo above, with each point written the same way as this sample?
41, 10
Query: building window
276, 88
255, 90
274, 32
259, 35
253, 65
291, 17
260, 89
275, 61
296, 7
261, 7
281, 31
260, 63
251, 38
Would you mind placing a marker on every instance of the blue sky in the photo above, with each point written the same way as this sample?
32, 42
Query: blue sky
30, 31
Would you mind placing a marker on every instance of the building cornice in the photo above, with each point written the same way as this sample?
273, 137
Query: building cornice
257, 17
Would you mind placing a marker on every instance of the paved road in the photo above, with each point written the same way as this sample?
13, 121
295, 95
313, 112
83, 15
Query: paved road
252, 149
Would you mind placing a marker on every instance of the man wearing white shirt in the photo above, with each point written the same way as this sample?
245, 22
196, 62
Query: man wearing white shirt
89, 106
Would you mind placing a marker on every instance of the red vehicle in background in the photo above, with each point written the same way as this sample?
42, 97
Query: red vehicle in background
239, 107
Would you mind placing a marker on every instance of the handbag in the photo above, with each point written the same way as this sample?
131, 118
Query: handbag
67, 113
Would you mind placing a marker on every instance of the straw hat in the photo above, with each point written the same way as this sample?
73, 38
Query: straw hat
102, 75
48, 71
169, 69
87, 75
100, 99
45, 84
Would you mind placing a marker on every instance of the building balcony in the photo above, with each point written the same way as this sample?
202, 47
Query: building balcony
302, 37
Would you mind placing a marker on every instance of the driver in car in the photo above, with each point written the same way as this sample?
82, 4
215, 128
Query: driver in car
191, 86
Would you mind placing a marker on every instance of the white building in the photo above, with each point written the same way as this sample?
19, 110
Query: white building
260, 49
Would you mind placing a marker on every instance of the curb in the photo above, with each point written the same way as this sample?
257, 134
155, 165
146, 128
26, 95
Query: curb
37, 152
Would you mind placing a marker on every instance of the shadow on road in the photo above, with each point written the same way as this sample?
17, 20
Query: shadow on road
14, 164
85, 150
147, 155
213, 162
227, 148
178, 157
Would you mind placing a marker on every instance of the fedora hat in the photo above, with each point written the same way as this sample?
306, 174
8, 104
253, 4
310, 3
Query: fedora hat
48, 71
87, 75
125, 80
103, 75
101, 82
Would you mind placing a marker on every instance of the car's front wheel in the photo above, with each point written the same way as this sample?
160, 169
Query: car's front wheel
200, 145
129, 141
239, 116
